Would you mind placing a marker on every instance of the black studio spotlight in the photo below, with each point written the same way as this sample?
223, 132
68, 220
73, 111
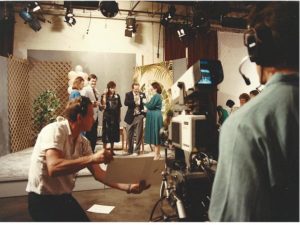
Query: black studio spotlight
200, 22
130, 26
109, 8
182, 32
168, 16
69, 17
30, 19
34, 6
25, 15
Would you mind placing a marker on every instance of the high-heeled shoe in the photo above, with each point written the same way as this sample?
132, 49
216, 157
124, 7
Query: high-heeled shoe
157, 157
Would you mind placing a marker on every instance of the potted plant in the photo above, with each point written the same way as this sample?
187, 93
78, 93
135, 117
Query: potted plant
44, 109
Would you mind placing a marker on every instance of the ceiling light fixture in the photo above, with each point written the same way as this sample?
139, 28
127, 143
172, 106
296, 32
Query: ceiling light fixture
183, 32
69, 17
168, 16
131, 26
200, 22
34, 6
25, 15
30, 19
109, 8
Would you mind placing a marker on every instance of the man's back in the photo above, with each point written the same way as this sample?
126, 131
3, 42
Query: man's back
259, 157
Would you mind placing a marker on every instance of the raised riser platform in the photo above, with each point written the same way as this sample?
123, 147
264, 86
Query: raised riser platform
14, 172
17, 187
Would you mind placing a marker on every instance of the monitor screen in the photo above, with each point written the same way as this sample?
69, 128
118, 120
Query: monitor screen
205, 73
205, 77
211, 72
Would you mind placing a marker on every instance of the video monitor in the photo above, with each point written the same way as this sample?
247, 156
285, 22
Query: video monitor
205, 77
211, 72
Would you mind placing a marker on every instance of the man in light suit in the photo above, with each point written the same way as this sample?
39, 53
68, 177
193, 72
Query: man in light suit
92, 93
134, 118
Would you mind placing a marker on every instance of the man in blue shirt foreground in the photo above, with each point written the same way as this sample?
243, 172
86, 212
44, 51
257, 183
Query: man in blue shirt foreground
257, 178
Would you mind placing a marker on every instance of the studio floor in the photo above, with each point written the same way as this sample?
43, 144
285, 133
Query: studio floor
128, 207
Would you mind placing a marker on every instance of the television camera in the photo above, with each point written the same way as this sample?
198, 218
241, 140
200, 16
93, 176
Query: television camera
187, 178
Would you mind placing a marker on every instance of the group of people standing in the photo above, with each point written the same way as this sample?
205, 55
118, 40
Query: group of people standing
61, 149
243, 98
138, 108
257, 178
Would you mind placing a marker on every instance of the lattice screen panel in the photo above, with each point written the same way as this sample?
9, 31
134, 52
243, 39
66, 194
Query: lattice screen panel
25, 82
46, 75
18, 104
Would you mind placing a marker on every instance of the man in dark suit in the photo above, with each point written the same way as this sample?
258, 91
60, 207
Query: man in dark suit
134, 118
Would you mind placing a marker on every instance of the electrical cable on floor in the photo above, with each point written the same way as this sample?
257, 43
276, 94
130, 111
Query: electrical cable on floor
164, 216
154, 207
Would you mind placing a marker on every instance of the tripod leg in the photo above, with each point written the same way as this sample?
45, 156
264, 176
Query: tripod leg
163, 187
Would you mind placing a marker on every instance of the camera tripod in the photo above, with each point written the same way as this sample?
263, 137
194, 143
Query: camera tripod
167, 194
173, 204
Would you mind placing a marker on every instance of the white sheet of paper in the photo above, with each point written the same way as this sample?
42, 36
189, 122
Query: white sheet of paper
134, 169
105, 209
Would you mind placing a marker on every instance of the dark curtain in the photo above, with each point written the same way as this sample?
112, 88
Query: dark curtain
6, 37
174, 48
203, 46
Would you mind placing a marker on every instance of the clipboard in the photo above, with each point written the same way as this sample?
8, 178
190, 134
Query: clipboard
130, 169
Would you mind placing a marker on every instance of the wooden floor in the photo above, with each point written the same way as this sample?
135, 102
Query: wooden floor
128, 207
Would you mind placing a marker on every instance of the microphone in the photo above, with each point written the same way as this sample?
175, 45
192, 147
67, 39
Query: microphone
246, 79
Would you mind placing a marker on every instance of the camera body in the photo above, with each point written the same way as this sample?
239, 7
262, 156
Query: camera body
187, 179
193, 127
188, 133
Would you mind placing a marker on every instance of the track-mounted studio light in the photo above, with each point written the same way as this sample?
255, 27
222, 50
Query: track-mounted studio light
182, 32
168, 16
109, 8
30, 19
130, 26
200, 22
34, 6
69, 17
25, 15
171, 12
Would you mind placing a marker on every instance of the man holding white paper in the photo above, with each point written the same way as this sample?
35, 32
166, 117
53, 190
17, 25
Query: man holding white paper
59, 153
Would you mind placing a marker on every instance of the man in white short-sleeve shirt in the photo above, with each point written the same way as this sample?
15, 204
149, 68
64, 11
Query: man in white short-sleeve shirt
59, 153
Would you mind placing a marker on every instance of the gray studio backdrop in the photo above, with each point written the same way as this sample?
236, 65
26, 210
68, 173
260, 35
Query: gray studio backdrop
118, 67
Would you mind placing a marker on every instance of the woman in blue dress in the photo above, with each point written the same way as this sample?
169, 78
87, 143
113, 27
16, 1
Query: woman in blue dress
154, 119
77, 86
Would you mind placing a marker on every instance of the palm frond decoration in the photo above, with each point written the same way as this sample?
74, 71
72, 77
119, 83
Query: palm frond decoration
161, 73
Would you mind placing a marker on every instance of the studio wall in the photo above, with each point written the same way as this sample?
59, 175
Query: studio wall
105, 35
106, 38
118, 67
231, 52
4, 134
